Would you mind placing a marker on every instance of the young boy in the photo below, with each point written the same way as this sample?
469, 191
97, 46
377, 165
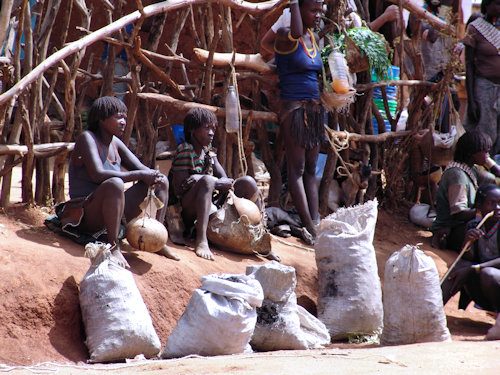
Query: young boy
196, 174
99, 167
477, 274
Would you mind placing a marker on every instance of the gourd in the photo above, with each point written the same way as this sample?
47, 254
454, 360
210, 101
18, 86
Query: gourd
147, 234
246, 209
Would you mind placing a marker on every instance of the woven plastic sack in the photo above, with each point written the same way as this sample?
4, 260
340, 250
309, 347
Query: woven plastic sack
219, 318
350, 295
281, 323
117, 322
413, 303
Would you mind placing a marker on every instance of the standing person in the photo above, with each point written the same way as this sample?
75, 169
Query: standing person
482, 62
196, 174
301, 114
477, 274
96, 179
437, 50
457, 189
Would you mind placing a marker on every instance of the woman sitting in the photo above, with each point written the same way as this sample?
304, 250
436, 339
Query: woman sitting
99, 200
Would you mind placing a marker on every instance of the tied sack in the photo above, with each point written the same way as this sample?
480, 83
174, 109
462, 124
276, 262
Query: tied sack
117, 322
219, 318
281, 323
413, 303
350, 295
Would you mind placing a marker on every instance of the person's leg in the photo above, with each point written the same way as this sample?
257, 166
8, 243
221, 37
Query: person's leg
136, 194
296, 159
487, 97
489, 279
196, 204
311, 182
105, 210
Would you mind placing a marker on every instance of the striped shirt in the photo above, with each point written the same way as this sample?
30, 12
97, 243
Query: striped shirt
186, 159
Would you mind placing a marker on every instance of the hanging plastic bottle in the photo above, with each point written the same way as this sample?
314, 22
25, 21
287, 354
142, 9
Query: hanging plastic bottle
232, 111
338, 70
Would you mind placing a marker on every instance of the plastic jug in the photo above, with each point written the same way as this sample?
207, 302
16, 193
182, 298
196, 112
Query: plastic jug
232, 111
338, 70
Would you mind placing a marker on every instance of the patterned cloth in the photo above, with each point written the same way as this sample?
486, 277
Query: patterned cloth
186, 159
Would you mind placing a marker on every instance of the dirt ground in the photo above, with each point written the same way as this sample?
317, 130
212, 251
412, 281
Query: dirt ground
41, 328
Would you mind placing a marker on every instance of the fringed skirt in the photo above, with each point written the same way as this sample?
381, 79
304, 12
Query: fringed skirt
306, 121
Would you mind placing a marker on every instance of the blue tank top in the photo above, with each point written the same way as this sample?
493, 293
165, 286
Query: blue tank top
298, 71
80, 183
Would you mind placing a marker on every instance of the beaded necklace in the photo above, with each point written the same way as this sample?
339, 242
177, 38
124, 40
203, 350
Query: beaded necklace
488, 31
492, 231
309, 50
464, 167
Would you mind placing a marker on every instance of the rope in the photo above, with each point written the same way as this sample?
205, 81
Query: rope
291, 244
241, 148
338, 145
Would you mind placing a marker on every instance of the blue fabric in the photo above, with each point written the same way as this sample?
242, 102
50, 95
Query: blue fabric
298, 73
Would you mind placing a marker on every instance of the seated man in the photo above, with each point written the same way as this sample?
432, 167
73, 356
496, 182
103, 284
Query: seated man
196, 173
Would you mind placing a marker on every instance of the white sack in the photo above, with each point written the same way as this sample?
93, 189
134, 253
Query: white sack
219, 318
281, 323
350, 295
116, 320
413, 302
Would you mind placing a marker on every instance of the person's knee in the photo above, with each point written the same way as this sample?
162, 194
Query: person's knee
245, 186
490, 277
296, 169
113, 186
206, 185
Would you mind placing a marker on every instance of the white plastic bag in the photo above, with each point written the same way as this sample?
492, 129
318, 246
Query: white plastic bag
117, 322
420, 214
350, 295
281, 323
413, 303
219, 318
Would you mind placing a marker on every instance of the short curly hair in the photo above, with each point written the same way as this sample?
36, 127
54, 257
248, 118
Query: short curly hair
103, 108
483, 191
195, 119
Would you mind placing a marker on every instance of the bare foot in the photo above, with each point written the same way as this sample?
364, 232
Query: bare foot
203, 251
120, 259
165, 251
273, 256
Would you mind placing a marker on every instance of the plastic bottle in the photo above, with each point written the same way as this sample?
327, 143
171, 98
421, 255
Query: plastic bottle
232, 111
338, 70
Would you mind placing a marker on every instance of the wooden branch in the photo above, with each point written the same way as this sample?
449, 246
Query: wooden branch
157, 71
40, 149
402, 82
219, 112
377, 138
249, 61
418, 11
69, 49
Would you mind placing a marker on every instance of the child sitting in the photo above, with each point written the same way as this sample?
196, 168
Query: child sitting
477, 274
196, 173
